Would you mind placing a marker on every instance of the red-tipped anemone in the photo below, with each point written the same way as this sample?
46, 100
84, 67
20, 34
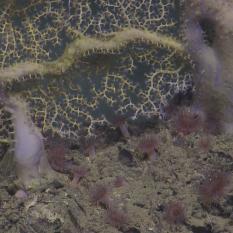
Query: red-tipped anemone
116, 217
99, 194
149, 145
88, 146
120, 122
214, 186
174, 212
187, 121
204, 143
79, 172
119, 181
56, 155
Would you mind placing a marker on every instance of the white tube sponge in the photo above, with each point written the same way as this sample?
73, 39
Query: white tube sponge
215, 59
206, 57
29, 150
208, 33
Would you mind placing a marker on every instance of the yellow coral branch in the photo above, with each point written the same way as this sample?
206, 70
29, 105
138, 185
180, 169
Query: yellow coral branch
82, 45
4, 141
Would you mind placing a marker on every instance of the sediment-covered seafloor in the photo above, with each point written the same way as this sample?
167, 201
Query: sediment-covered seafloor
149, 186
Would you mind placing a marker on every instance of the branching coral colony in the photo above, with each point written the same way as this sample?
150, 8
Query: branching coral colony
69, 86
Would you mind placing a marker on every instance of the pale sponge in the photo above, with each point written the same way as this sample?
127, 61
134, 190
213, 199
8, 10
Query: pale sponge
29, 150
206, 57
208, 34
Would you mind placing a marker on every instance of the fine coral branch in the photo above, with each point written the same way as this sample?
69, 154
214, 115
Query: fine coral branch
82, 45
4, 141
